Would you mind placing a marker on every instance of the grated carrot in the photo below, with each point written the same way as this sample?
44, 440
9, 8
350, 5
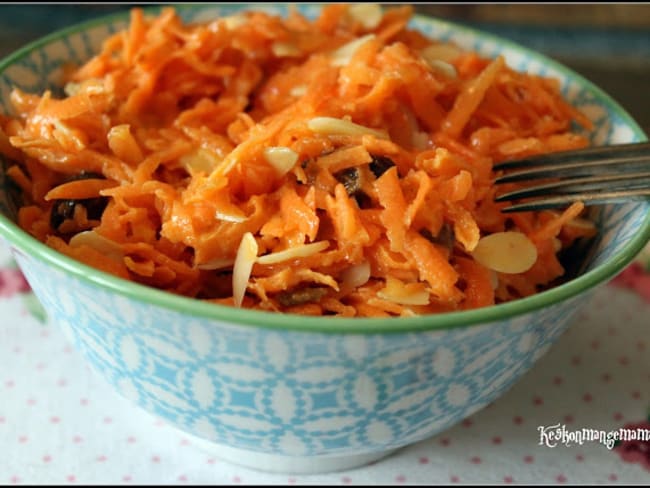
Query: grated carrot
349, 162
393, 215
79, 189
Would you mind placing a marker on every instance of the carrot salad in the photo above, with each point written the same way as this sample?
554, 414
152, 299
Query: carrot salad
335, 166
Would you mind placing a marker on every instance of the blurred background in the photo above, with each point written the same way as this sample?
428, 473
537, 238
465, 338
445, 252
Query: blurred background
609, 44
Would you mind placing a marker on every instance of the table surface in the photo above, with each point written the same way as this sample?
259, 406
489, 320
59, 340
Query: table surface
60, 423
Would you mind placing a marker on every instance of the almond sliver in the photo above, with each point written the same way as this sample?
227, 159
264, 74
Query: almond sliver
108, 247
241, 272
506, 252
343, 55
294, 252
397, 291
332, 125
283, 159
369, 15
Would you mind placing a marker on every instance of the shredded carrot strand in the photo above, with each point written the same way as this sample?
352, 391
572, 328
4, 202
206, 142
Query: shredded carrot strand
79, 189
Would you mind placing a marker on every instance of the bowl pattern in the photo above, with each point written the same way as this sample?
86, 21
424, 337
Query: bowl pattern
305, 393
293, 393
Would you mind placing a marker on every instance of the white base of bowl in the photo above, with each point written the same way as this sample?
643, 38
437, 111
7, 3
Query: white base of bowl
272, 463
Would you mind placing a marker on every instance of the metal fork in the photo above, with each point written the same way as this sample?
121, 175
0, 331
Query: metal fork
595, 175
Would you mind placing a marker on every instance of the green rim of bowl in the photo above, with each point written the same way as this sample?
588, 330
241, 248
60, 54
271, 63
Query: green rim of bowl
25, 243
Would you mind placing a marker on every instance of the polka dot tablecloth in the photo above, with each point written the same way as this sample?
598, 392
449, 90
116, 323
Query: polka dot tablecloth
60, 423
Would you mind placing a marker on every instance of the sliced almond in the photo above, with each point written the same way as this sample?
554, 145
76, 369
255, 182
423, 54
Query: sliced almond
343, 55
369, 15
283, 159
234, 21
200, 161
404, 293
93, 86
285, 50
443, 67
302, 251
71, 88
107, 247
241, 272
441, 52
219, 263
420, 140
235, 218
355, 276
332, 125
506, 252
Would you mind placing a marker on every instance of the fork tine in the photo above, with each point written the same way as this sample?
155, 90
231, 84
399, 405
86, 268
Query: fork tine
616, 152
587, 198
586, 167
594, 176
615, 182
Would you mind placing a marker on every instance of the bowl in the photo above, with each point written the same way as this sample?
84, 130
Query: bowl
309, 394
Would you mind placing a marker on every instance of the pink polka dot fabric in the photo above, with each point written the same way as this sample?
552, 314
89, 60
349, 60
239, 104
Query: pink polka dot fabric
61, 424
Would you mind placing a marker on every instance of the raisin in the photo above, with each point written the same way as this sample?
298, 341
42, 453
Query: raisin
380, 164
350, 178
299, 296
64, 209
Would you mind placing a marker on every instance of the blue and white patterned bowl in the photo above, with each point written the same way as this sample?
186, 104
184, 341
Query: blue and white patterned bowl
308, 394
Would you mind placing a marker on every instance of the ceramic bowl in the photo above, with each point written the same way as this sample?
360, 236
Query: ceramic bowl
309, 394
